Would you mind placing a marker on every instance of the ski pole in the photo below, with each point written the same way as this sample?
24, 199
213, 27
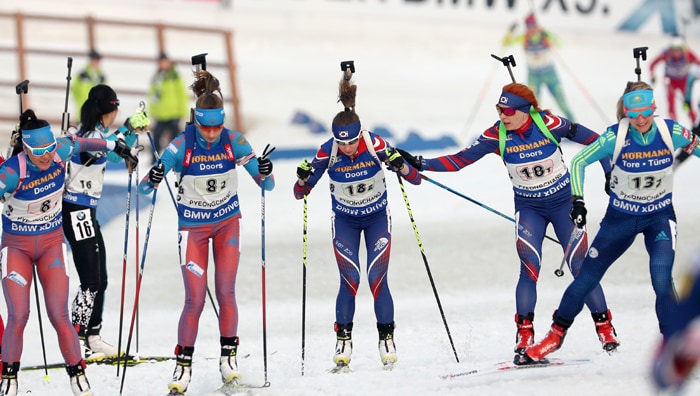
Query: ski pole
575, 234
265, 154
138, 282
130, 169
427, 267
41, 326
136, 250
490, 209
172, 198
303, 287
65, 119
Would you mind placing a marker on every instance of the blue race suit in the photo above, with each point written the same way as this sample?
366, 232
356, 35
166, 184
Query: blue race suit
359, 199
542, 191
640, 203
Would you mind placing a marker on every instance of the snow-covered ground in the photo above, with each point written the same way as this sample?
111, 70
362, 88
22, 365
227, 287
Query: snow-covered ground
413, 74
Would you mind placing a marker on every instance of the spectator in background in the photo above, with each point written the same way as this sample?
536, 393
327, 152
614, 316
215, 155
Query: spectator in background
538, 44
677, 59
168, 102
89, 76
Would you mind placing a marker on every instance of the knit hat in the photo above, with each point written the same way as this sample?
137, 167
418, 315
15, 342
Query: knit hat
105, 97
530, 20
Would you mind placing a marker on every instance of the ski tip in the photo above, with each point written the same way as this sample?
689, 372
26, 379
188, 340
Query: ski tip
340, 367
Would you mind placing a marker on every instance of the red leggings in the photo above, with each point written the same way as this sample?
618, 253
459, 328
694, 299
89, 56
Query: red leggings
19, 255
194, 256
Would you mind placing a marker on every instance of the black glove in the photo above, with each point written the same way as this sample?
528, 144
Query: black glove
304, 170
607, 183
395, 159
264, 166
124, 151
156, 174
416, 162
578, 211
88, 159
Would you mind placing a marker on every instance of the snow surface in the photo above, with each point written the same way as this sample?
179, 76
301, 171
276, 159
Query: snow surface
413, 74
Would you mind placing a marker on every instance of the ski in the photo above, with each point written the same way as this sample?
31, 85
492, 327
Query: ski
106, 362
340, 368
235, 387
509, 366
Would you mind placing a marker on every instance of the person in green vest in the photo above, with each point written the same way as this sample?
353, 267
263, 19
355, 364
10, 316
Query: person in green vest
88, 77
168, 102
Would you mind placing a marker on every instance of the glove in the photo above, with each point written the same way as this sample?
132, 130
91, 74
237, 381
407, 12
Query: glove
137, 121
395, 159
304, 170
88, 159
416, 162
156, 174
578, 211
124, 151
264, 166
607, 183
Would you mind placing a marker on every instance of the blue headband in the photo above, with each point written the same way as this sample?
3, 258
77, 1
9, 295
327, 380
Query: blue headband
209, 117
38, 137
346, 132
638, 99
514, 101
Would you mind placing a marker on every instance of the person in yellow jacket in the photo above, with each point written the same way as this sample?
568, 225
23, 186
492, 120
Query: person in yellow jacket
88, 77
168, 102
539, 44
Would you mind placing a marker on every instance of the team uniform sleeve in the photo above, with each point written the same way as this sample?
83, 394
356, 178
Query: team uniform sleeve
412, 176
683, 138
487, 143
581, 134
602, 147
9, 178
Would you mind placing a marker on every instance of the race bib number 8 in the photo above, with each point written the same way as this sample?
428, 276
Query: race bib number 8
535, 170
210, 184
